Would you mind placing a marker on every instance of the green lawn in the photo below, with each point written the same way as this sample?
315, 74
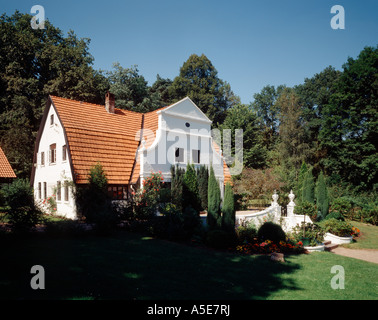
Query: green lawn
130, 266
368, 238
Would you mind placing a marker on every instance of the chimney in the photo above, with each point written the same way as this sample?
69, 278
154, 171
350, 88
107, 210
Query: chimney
109, 102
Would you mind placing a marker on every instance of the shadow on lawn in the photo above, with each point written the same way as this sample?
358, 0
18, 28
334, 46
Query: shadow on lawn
130, 266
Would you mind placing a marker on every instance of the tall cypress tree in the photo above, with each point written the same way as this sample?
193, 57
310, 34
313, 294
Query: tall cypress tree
177, 185
214, 200
228, 209
322, 201
203, 178
308, 190
301, 178
191, 197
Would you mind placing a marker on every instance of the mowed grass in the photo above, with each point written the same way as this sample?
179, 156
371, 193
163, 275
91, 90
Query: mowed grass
131, 266
368, 238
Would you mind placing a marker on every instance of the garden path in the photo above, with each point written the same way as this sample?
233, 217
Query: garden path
370, 255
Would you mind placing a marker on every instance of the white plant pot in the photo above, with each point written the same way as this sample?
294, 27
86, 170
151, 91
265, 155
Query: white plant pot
315, 248
337, 240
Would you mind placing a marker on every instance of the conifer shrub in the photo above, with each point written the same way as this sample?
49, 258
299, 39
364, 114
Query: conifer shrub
214, 200
177, 186
190, 189
228, 209
203, 179
322, 201
308, 188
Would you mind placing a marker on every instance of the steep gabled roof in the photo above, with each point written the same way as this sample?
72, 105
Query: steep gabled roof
94, 135
6, 170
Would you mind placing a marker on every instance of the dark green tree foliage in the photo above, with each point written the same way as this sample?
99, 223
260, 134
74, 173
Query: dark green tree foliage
191, 194
214, 200
264, 105
322, 201
160, 93
177, 186
241, 116
301, 177
33, 64
308, 189
293, 146
23, 214
93, 201
129, 88
315, 94
349, 127
228, 209
203, 178
199, 80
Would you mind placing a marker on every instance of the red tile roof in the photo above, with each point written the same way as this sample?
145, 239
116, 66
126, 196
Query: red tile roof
94, 135
6, 170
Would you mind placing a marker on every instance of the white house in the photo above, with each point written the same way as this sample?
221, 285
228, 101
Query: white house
75, 135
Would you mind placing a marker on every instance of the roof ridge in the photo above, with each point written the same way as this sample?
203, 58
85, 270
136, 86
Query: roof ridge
95, 104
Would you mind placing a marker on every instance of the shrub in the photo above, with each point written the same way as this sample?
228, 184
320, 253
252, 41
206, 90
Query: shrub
23, 214
342, 205
228, 209
271, 231
246, 232
308, 187
312, 231
214, 199
177, 186
93, 202
173, 224
191, 193
203, 179
322, 201
337, 227
146, 201
335, 215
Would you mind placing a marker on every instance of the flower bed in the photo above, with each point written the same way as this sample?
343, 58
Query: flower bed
268, 246
340, 229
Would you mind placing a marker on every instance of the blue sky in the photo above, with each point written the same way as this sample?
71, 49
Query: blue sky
251, 43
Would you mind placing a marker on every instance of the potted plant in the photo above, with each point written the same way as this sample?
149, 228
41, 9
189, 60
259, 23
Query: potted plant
311, 235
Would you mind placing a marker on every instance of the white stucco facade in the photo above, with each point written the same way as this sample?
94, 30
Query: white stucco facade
184, 126
181, 128
49, 173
